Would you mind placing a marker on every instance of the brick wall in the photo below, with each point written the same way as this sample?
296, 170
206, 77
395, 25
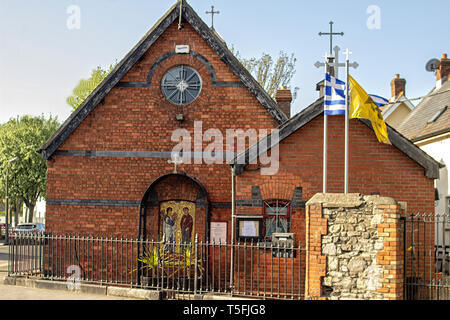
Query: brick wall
375, 169
140, 119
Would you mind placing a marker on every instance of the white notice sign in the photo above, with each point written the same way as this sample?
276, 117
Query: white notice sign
182, 49
248, 229
219, 232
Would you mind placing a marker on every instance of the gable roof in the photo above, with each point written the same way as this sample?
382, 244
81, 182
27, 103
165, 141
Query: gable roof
419, 125
211, 37
430, 165
390, 108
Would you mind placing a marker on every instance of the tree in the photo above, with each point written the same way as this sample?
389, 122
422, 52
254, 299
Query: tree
270, 73
86, 86
21, 138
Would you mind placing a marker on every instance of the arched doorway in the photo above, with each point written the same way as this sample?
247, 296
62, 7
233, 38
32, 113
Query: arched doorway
175, 207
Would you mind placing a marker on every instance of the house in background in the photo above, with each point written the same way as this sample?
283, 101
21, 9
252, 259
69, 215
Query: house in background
428, 126
399, 107
39, 213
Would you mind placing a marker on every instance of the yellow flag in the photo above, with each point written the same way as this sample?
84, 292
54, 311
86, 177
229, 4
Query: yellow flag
363, 107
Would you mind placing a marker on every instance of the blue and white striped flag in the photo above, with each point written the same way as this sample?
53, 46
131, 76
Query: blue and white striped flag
379, 101
334, 96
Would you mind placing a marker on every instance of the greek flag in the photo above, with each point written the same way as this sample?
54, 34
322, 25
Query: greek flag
334, 96
379, 101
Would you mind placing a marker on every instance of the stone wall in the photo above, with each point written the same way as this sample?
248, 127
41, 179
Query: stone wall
354, 248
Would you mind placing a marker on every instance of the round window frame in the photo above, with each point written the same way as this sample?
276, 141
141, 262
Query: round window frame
164, 78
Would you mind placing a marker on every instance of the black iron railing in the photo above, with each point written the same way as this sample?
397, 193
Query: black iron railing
259, 270
427, 257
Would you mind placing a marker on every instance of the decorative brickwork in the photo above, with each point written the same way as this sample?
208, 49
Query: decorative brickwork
140, 121
392, 255
375, 168
315, 261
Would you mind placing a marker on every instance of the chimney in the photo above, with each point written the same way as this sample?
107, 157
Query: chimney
444, 70
398, 86
284, 100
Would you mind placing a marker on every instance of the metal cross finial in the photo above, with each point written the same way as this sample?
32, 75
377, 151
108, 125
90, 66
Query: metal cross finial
336, 64
329, 63
176, 160
347, 54
212, 13
331, 34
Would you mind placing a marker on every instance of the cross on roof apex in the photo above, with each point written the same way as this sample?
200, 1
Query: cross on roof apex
212, 13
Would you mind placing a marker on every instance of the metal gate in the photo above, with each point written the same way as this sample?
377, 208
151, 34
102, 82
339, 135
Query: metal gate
427, 257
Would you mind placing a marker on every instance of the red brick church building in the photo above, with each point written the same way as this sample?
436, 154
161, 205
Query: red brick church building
109, 165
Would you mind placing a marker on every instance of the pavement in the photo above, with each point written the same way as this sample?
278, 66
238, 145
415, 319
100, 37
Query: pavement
22, 293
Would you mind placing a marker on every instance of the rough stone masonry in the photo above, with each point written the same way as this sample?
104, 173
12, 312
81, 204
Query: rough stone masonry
357, 234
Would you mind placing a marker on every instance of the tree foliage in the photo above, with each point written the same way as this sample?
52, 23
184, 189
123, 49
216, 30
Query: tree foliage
86, 86
21, 138
271, 74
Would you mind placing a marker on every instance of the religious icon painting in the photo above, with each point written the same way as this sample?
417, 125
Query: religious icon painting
177, 221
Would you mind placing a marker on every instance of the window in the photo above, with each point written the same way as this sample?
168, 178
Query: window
181, 85
438, 115
277, 218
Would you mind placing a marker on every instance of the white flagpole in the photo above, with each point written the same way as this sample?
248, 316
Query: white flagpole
347, 119
325, 135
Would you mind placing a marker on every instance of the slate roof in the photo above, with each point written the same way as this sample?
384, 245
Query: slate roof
417, 125
430, 165
211, 37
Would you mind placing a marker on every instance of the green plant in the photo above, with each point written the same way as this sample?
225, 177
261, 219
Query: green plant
171, 264
86, 86
20, 138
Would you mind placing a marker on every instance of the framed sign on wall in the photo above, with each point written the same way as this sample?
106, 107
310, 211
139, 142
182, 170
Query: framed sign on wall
249, 228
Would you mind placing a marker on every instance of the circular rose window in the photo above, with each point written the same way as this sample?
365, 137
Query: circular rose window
181, 85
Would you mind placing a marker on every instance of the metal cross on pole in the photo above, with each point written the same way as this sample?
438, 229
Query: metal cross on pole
336, 64
176, 160
212, 13
347, 54
327, 60
331, 34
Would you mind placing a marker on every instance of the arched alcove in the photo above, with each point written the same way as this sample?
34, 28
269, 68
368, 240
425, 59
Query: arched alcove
174, 196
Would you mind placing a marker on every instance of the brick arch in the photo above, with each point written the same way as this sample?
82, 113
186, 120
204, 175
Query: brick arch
277, 189
174, 187
171, 54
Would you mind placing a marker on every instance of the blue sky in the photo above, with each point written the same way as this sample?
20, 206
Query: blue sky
41, 60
